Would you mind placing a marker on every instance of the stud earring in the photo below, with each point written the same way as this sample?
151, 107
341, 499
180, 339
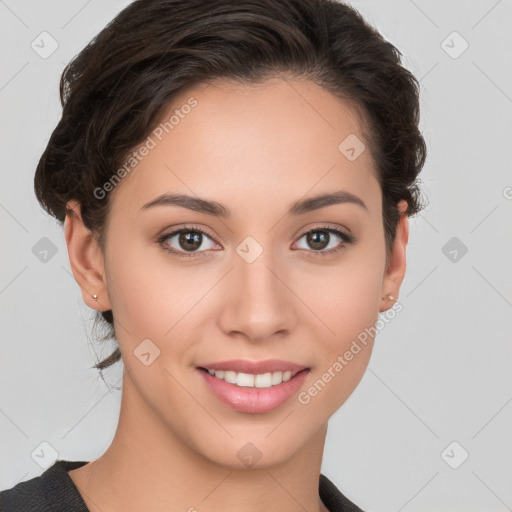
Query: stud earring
388, 297
95, 297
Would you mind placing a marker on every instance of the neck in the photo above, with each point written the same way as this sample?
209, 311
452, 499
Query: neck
150, 467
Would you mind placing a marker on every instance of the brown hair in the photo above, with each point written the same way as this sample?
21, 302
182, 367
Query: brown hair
116, 89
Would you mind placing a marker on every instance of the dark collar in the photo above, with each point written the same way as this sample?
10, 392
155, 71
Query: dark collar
54, 491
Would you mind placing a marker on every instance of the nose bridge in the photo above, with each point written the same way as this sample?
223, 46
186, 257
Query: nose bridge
260, 304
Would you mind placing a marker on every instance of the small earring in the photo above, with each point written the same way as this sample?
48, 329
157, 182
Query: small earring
388, 297
95, 297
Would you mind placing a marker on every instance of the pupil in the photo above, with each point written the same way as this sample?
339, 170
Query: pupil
190, 237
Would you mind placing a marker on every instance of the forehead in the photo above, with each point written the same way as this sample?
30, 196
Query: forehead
269, 140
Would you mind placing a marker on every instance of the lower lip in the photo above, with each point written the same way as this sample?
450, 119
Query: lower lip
253, 400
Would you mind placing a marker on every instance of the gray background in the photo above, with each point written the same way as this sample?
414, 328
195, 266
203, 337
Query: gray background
441, 369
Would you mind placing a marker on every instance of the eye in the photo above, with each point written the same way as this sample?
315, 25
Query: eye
186, 242
191, 241
324, 237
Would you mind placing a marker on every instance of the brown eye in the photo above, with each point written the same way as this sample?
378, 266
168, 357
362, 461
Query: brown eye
317, 240
190, 240
325, 240
187, 240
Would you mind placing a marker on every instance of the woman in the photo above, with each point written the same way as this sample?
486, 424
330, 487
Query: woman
235, 182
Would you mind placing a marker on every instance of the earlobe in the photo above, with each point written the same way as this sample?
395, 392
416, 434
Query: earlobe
395, 269
86, 259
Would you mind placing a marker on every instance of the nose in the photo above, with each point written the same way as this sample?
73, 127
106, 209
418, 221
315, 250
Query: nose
257, 300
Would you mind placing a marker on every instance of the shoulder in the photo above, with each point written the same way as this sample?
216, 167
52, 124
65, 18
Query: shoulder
53, 491
333, 499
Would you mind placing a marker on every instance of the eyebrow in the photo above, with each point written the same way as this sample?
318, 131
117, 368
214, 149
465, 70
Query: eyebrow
218, 210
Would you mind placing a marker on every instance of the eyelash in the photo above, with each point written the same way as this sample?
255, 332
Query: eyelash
346, 238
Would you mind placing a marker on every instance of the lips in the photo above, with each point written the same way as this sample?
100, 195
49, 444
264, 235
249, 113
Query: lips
253, 386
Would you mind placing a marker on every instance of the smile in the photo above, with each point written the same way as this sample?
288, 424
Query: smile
260, 380
250, 392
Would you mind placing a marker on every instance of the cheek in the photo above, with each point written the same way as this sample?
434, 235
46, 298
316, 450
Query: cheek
153, 298
346, 302
343, 297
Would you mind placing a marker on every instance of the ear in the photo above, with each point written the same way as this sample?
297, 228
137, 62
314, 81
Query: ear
86, 259
395, 268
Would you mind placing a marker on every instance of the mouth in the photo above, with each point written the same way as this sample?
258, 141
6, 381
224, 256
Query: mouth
250, 380
261, 388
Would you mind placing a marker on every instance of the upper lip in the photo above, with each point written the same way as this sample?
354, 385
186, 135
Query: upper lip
254, 367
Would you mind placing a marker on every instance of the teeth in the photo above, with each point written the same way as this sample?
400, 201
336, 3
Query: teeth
243, 379
229, 376
277, 378
261, 380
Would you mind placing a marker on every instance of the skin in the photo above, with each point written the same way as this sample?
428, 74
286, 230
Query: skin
255, 149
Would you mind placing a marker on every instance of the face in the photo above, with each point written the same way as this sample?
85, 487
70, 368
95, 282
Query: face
267, 280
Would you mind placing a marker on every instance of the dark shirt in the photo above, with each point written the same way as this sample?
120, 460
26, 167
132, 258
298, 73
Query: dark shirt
54, 491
